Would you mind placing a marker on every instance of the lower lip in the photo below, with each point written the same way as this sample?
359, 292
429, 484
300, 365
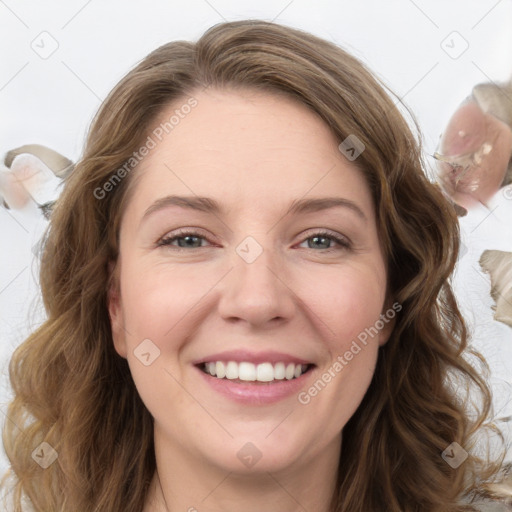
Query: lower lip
257, 393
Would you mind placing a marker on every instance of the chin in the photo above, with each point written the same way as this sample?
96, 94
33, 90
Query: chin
257, 453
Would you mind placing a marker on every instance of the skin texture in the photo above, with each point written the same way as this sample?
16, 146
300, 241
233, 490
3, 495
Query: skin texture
254, 153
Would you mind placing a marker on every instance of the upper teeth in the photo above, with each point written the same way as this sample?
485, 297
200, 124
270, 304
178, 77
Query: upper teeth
264, 372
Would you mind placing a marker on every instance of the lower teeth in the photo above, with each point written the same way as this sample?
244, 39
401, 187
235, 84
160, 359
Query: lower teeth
239, 381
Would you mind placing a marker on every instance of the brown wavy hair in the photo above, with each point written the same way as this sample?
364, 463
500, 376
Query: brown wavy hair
72, 390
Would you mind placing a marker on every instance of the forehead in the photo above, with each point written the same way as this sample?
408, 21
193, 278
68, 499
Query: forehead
249, 149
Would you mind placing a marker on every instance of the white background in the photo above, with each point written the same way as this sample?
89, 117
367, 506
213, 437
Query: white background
409, 44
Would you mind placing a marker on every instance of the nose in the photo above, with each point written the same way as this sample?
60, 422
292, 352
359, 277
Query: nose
258, 292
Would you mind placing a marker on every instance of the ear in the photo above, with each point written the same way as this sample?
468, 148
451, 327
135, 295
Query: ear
115, 310
388, 319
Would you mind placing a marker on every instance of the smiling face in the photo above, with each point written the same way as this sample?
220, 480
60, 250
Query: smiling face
255, 270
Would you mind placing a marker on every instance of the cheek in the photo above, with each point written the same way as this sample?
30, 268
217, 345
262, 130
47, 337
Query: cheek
155, 305
337, 304
350, 302
342, 301
353, 309
355, 305
156, 297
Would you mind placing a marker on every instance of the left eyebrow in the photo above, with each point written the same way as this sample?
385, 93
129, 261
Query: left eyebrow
302, 206
298, 206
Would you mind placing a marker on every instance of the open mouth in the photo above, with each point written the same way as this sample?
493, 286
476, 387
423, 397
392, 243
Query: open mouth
246, 372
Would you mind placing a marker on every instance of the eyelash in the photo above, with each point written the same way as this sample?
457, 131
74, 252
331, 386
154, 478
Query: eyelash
166, 241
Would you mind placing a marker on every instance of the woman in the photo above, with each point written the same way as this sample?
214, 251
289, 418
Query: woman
201, 351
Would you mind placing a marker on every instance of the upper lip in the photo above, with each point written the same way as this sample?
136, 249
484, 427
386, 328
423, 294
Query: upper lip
240, 356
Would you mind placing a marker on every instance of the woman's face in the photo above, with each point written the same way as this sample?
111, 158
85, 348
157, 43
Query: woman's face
246, 269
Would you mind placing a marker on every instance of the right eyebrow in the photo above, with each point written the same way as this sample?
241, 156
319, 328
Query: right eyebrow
303, 206
297, 207
203, 204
